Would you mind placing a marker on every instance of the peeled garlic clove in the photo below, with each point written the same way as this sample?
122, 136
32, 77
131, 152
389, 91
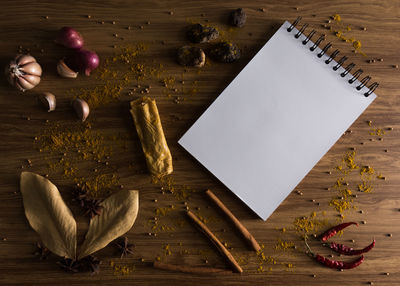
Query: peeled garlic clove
64, 71
49, 101
81, 108
31, 68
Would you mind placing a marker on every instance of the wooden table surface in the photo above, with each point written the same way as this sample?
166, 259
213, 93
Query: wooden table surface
30, 26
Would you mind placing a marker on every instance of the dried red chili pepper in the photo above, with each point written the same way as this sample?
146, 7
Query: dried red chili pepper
339, 264
343, 249
334, 263
334, 230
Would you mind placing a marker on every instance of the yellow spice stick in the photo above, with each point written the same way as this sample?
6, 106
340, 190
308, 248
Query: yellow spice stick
148, 126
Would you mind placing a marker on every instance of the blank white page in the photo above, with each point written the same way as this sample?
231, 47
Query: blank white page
275, 121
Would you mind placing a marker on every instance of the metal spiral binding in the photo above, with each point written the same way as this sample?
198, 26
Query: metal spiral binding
301, 31
355, 76
306, 40
347, 69
324, 50
332, 56
320, 39
340, 63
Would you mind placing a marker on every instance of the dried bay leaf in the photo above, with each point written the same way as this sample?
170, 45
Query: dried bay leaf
119, 213
48, 215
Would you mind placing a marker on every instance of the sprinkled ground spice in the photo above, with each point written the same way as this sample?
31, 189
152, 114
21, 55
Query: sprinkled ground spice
264, 262
167, 183
340, 30
75, 146
115, 74
167, 250
345, 198
309, 224
284, 245
121, 269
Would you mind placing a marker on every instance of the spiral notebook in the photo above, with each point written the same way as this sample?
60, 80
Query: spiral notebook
278, 117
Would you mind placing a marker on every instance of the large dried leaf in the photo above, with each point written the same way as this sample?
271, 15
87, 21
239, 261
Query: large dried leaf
117, 217
48, 215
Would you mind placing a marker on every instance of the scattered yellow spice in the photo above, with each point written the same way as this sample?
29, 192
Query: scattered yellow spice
381, 177
337, 17
284, 245
164, 210
349, 159
365, 187
367, 170
167, 250
305, 225
76, 146
121, 269
377, 132
167, 183
357, 45
264, 260
341, 204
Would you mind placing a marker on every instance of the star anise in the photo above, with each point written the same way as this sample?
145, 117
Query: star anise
124, 246
80, 196
42, 251
70, 265
93, 207
91, 263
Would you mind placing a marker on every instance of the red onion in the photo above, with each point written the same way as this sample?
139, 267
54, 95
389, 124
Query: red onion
83, 60
69, 38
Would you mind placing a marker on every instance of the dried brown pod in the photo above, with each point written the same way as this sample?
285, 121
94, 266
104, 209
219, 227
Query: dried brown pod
42, 251
225, 52
198, 33
90, 263
93, 207
237, 18
124, 246
70, 265
191, 56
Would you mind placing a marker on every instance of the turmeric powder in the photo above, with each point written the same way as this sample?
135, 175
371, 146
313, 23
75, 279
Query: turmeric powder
284, 245
121, 269
78, 145
340, 30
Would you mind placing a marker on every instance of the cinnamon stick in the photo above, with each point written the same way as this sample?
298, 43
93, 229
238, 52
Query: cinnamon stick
240, 227
190, 269
221, 248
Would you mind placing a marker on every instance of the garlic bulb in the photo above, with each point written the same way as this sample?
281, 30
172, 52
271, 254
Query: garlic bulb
24, 72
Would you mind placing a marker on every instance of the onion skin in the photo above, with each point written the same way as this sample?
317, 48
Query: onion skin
83, 60
90, 61
69, 38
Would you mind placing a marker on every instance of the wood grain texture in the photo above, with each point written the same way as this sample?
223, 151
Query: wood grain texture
23, 23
